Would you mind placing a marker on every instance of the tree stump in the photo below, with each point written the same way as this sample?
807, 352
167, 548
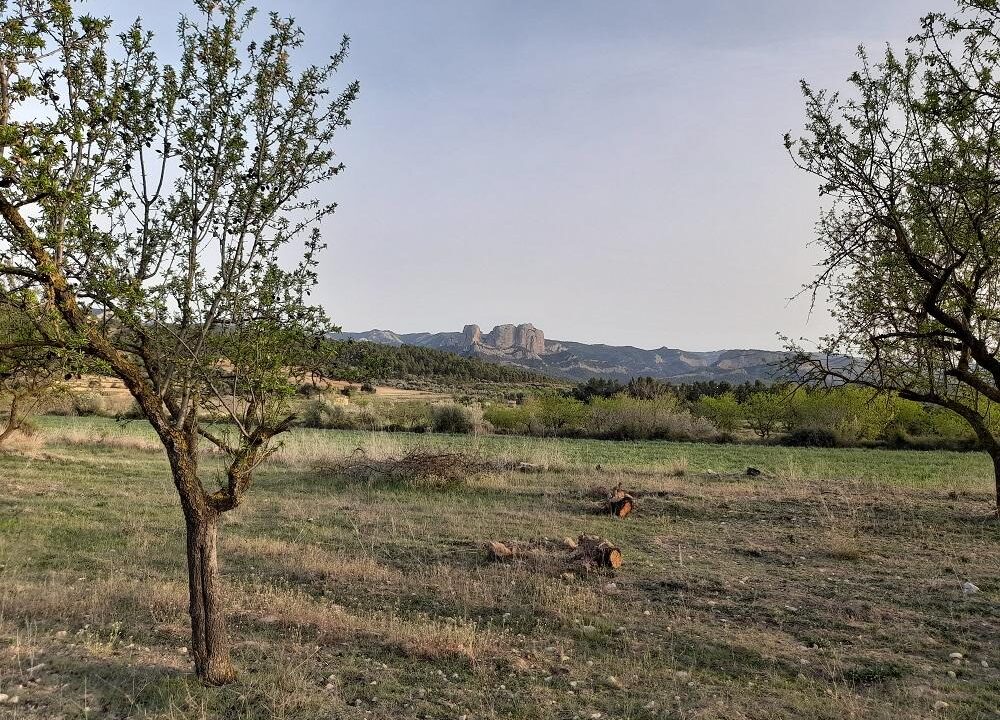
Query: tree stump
619, 503
598, 551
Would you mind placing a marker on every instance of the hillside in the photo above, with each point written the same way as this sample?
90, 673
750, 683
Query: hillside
358, 361
525, 346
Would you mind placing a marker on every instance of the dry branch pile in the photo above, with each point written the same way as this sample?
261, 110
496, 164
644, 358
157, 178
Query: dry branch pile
416, 466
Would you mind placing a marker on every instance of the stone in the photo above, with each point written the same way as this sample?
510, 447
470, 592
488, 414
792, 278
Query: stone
530, 339
472, 334
501, 337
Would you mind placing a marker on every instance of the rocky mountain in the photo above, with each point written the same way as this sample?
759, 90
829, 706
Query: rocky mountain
526, 346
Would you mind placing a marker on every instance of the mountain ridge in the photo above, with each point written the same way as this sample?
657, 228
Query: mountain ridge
525, 346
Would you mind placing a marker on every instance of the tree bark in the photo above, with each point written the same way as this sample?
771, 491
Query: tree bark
996, 478
210, 644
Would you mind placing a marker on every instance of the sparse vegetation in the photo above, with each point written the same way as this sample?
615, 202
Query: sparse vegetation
803, 593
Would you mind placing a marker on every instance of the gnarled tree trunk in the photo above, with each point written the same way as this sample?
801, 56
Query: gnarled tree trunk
996, 478
210, 644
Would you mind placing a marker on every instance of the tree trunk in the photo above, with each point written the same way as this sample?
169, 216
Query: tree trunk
996, 478
210, 646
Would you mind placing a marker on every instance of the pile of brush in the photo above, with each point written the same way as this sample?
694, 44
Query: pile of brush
416, 466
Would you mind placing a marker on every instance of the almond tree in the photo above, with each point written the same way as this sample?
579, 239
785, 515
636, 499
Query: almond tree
30, 373
146, 208
909, 160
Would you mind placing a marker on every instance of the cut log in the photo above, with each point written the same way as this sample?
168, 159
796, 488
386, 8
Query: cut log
598, 551
498, 551
619, 503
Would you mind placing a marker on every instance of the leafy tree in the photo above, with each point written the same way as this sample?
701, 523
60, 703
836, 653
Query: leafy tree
145, 207
596, 387
647, 388
764, 412
723, 411
852, 414
909, 161
30, 372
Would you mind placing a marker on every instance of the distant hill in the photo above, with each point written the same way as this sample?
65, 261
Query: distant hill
360, 360
525, 347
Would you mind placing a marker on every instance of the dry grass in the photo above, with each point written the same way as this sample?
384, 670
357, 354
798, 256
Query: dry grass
787, 596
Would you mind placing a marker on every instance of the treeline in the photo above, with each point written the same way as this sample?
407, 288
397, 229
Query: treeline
649, 409
367, 361
844, 416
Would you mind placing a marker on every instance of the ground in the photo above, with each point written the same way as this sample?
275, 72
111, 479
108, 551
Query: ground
828, 587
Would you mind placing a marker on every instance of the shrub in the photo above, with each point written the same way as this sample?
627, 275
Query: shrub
322, 415
452, 418
133, 412
854, 415
660, 418
764, 412
86, 404
811, 437
309, 390
723, 411
505, 419
409, 416
552, 414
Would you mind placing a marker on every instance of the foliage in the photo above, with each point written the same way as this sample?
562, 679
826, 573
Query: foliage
451, 418
909, 160
723, 411
365, 361
146, 211
661, 418
764, 411
596, 387
647, 388
852, 414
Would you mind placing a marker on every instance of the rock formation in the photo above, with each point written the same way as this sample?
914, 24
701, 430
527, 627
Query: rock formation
530, 339
523, 339
473, 335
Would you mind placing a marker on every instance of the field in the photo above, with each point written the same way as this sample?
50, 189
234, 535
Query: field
828, 587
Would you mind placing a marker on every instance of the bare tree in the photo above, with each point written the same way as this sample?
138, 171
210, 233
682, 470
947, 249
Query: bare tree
145, 210
909, 160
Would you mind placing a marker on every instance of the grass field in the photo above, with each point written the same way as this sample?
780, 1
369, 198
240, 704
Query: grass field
829, 587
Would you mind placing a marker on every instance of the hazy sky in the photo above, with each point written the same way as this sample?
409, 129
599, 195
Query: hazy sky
610, 171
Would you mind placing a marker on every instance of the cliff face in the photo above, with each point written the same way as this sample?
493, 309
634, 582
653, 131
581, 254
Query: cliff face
517, 340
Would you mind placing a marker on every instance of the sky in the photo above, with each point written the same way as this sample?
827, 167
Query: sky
610, 171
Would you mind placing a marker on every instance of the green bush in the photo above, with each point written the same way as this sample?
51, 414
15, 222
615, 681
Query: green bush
86, 404
452, 418
765, 412
409, 416
811, 437
309, 390
322, 415
723, 411
854, 415
506, 419
552, 414
661, 418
